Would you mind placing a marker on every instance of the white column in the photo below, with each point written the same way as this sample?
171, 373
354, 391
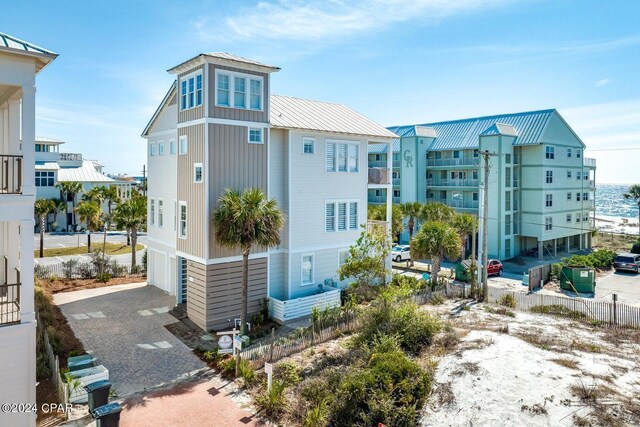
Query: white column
13, 127
26, 271
28, 140
13, 252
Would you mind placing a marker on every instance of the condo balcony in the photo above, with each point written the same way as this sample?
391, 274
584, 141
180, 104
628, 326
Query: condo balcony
590, 163
9, 298
70, 157
10, 174
458, 204
460, 161
379, 176
452, 183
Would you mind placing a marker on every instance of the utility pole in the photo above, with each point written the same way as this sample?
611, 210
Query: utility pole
485, 222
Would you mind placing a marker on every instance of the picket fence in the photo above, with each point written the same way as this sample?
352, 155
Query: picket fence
613, 314
82, 270
54, 367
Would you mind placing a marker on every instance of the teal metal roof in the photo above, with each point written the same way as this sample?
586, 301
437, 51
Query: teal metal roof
382, 148
11, 42
500, 129
460, 134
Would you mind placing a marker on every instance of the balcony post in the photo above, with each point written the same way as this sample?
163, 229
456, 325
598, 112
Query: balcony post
28, 140
26, 271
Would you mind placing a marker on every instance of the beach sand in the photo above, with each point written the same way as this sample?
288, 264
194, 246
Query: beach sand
614, 224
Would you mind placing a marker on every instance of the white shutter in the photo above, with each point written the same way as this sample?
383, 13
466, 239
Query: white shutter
342, 216
342, 157
330, 217
330, 157
353, 216
353, 158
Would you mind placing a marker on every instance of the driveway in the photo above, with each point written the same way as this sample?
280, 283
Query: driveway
626, 285
123, 327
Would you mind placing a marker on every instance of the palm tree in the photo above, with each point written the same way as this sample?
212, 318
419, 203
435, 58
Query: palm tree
89, 212
634, 193
241, 221
111, 195
464, 224
436, 211
435, 240
42, 208
412, 211
130, 215
61, 205
69, 190
379, 213
107, 219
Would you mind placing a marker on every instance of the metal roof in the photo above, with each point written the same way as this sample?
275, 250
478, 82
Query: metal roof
500, 129
297, 113
14, 43
459, 134
85, 173
48, 140
47, 166
382, 148
236, 58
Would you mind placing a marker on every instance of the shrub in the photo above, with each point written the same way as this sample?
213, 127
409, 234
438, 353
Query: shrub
40, 271
601, 259
69, 267
42, 367
247, 373
144, 260
53, 278
507, 300
317, 415
85, 270
287, 372
436, 299
213, 355
556, 270
228, 366
635, 248
54, 339
264, 308
273, 402
103, 277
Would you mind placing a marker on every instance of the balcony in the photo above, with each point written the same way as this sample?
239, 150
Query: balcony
461, 161
592, 183
458, 204
70, 157
379, 176
452, 183
516, 183
9, 304
590, 163
396, 181
516, 159
10, 174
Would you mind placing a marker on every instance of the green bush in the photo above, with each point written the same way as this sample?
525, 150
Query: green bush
54, 339
601, 259
635, 248
228, 366
556, 270
317, 415
42, 367
144, 260
69, 268
103, 277
273, 402
247, 373
213, 355
287, 372
507, 300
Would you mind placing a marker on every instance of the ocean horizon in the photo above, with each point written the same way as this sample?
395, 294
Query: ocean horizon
610, 201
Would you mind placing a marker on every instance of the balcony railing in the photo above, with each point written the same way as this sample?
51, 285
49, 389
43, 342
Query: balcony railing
10, 174
592, 183
377, 163
452, 182
516, 183
379, 176
396, 181
590, 162
461, 161
459, 204
9, 304
71, 157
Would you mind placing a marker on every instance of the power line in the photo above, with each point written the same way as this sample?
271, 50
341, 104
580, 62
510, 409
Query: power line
613, 149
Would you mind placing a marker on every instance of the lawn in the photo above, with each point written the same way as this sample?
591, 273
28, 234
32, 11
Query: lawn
111, 249
614, 242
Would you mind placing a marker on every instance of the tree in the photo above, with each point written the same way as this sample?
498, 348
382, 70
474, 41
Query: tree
241, 221
69, 190
130, 215
379, 213
464, 224
367, 258
435, 240
634, 194
42, 208
412, 211
107, 219
89, 212
60, 205
102, 194
436, 211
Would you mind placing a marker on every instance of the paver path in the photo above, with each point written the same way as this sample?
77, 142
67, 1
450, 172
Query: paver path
123, 327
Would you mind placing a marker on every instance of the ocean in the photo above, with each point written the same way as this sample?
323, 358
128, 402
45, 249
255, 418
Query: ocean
611, 202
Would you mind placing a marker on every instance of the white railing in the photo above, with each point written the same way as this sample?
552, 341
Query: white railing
452, 182
461, 161
283, 311
590, 162
72, 157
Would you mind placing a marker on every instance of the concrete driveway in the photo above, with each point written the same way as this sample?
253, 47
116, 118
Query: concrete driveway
626, 285
123, 327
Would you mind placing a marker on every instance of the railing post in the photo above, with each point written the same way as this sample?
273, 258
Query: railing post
615, 313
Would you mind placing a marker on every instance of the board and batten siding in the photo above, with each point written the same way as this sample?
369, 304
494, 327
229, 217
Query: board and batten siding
215, 291
279, 176
194, 113
234, 164
237, 113
191, 193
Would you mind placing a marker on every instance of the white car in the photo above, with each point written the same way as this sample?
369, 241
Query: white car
400, 253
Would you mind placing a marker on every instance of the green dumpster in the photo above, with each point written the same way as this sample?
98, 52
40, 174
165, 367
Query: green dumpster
462, 270
578, 279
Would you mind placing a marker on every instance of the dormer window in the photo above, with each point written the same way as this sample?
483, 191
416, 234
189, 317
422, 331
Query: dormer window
237, 90
191, 91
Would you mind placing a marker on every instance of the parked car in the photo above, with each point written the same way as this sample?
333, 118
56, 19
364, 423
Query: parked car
495, 268
400, 253
629, 262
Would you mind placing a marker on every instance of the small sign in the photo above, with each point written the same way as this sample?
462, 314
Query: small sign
268, 368
237, 342
584, 273
225, 342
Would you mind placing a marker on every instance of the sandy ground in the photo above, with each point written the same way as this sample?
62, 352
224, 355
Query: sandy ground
504, 374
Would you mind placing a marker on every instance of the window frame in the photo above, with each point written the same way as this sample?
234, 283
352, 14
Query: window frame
160, 148
46, 177
549, 177
344, 146
548, 200
548, 223
253, 129
181, 235
152, 149
550, 152
312, 272
181, 139
152, 211
191, 90
308, 141
248, 78
195, 173
160, 213
173, 147
336, 215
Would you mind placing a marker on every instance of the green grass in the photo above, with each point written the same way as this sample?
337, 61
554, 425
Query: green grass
614, 242
111, 248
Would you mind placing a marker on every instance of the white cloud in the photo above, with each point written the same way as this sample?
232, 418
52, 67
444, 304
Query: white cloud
321, 21
602, 82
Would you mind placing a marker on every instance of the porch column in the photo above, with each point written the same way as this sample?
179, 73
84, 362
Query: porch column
26, 271
28, 139
555, 247
13, 125
540, 249
568, 244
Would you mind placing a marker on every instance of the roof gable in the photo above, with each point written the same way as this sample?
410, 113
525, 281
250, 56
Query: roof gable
167, 100
16, 46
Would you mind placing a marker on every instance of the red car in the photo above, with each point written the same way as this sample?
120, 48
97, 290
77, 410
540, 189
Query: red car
495, 268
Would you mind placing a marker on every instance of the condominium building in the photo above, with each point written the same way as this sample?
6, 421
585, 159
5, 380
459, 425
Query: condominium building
20, 62
219, 127
541, 187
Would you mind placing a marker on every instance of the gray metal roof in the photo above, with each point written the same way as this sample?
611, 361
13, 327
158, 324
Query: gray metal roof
500, 129
236, 58
85, 173
48, 140
459, 134
297, 113
382, 148
15, 43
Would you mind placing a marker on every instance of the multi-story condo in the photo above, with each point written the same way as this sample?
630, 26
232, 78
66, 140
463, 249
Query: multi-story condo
219, 127
53, 167
378, 158
20, 62
541, 187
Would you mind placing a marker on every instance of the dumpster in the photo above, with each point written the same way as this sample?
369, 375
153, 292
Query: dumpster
76, 363
578, 279
107, 415
462, 271
97, 394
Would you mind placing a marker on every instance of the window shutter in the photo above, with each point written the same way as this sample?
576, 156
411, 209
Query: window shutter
353, 216
342, 157
330, 158
330, 217
342, 216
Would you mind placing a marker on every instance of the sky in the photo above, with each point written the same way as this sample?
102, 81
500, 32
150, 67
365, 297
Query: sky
395, 61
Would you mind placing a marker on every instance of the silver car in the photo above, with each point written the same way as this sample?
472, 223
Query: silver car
628, 262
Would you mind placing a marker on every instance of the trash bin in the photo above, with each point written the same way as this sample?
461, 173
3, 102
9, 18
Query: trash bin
98, 394
107, 415
578, 279
76, 363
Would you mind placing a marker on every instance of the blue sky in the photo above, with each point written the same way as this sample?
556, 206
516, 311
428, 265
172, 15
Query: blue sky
398, 62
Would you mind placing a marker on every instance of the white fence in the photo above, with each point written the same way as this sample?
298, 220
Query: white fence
282, 311
54, 365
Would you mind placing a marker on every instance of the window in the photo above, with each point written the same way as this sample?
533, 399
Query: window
255, 102
307, 269
308, 145
569, 195
550, 152
197, 172
38, 148
152, 150
577, 217
199, 89
343, 256
585, 217
183, 220
330, 217
160, 213
507, 224
353, 158
396, 193
578, 153
586, 175
476, 153
456, 154
223, 90
577, 197
507, 248
378, 193
175, 215
578, 175
549, 177
152, 212
475, 174
345, 219
549, 200
585, 196
474, 197
507, 200
568, 152
183, 95
353, 215
395, 174
183, 144
569, 174
548, 223
507, 177
341, 156
160, 148
191, 91
507, 158
239, 92
255, 136
568, 217
44, 179
172, 147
